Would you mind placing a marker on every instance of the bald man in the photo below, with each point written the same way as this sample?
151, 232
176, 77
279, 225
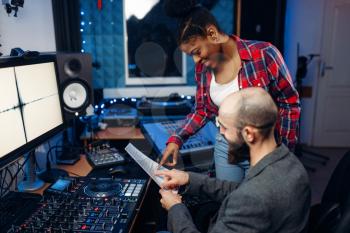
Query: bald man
275, 194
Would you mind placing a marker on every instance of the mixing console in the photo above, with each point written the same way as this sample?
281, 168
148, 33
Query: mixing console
104, 156
84, 205
196, 154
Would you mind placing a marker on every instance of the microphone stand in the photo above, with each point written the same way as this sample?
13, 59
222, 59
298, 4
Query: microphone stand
302, 64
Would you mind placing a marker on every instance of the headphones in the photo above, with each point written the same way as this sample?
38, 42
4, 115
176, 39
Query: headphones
13, 6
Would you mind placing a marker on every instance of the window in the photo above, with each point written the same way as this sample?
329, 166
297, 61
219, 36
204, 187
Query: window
103, 35
152, 53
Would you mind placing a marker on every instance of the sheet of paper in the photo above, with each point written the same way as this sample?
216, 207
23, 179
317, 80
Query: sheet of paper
145, 162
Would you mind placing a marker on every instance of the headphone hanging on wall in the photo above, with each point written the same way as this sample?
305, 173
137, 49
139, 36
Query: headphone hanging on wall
13, 6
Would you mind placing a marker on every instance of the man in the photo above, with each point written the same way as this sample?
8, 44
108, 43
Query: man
275, 194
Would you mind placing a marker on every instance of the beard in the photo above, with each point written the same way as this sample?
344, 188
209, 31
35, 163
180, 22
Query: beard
237, 151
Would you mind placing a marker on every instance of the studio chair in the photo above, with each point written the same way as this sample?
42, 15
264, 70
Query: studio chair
332, 215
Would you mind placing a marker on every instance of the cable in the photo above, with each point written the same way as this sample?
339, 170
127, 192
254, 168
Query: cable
1, 186
18, 170
3, 179
48, 142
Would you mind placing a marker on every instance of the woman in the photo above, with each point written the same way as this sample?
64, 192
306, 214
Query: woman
225, 64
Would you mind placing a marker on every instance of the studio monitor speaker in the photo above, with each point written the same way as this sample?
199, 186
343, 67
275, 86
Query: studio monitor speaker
75, 75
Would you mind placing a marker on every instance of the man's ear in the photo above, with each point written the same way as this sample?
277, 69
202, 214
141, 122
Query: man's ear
249, 134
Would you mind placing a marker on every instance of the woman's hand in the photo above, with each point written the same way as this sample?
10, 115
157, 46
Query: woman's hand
172, 149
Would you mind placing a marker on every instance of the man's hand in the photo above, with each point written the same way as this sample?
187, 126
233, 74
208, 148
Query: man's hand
169, 199
171, 149
173, 178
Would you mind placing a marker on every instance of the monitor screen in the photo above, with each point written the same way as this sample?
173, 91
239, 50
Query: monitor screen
30, 108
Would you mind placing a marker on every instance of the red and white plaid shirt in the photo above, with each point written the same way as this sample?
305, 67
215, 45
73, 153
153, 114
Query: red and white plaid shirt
262, 66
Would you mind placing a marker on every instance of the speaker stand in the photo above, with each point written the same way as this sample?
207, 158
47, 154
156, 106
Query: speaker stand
69, 156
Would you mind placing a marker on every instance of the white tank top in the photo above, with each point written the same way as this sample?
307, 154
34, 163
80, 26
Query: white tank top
218, 92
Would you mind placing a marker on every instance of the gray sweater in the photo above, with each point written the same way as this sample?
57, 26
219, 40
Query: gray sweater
274, 197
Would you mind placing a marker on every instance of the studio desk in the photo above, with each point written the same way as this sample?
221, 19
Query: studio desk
113, 134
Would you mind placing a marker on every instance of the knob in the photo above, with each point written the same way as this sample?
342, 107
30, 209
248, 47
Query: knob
88, 205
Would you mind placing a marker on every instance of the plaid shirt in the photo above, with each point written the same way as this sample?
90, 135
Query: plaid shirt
262, 66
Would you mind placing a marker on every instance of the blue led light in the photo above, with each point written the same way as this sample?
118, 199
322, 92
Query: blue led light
82, 50
182, 96
188, 97
84, 41
123, 99
133, 100
96, 106
111, 102
102, 105
82, 23
132, 66
81, 29
82, 12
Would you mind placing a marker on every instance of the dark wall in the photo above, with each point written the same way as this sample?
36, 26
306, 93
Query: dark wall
263, 20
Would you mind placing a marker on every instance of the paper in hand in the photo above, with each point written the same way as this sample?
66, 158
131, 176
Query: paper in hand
147, 164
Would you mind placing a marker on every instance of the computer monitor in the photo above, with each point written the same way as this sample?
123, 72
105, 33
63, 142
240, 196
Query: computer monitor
30, 105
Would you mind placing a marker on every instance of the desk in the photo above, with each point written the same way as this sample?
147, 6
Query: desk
80, 168
114, 133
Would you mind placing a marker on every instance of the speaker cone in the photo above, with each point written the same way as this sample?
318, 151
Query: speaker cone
73, 67
75, 96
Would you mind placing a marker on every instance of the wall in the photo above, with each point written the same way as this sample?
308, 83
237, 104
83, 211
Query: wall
33, 29
103, 37
304, 20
